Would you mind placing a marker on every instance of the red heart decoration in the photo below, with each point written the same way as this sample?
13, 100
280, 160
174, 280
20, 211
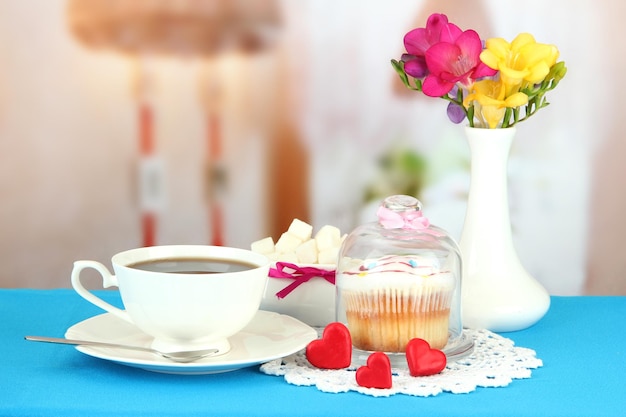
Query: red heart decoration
333, 350
422, 359
377, 372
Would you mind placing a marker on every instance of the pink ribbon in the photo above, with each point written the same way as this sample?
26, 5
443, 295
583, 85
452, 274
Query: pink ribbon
300, 275
412, 219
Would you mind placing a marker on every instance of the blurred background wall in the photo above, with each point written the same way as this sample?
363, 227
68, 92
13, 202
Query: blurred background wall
110, 140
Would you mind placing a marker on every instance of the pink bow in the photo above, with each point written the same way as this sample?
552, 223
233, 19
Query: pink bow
390, 219
300, 275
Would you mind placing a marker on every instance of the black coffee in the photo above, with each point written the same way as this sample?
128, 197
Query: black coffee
192, 265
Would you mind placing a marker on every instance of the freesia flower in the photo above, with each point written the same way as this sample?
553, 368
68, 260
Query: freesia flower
487, 85
456, 112
492, 101
419, 40
454, 62
522, 62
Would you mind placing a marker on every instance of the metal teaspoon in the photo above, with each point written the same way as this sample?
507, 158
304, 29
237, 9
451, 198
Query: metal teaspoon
181, 356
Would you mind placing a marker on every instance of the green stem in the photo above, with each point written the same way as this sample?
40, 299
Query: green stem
507, 117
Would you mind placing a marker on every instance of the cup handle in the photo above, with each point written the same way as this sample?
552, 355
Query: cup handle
108, 280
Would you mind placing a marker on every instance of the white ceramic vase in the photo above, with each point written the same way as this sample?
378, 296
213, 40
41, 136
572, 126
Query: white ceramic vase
497, 292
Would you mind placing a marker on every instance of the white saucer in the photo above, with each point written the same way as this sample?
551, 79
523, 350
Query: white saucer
267, 337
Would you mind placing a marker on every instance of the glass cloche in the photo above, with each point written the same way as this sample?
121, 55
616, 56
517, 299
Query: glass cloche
397, 279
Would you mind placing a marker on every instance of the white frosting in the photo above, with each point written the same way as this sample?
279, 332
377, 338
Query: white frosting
393, 271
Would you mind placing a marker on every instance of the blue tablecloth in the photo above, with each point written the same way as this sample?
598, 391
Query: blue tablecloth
581, 341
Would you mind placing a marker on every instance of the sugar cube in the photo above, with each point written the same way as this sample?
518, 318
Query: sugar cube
287, 242
264, 246
274, 256
328, 256
327, 237
300, 229
307, 252
290, 257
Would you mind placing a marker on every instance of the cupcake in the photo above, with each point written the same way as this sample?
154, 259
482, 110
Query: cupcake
393, 299
399, 279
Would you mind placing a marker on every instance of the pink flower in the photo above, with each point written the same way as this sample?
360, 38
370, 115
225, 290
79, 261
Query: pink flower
452, 61
419, 40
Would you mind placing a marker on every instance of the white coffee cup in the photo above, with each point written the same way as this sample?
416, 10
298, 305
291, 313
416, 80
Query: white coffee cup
182, 311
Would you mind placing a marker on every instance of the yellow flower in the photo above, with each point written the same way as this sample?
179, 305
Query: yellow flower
492, 101
522, 62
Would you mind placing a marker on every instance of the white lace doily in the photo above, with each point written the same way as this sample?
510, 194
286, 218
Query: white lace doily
495, 362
